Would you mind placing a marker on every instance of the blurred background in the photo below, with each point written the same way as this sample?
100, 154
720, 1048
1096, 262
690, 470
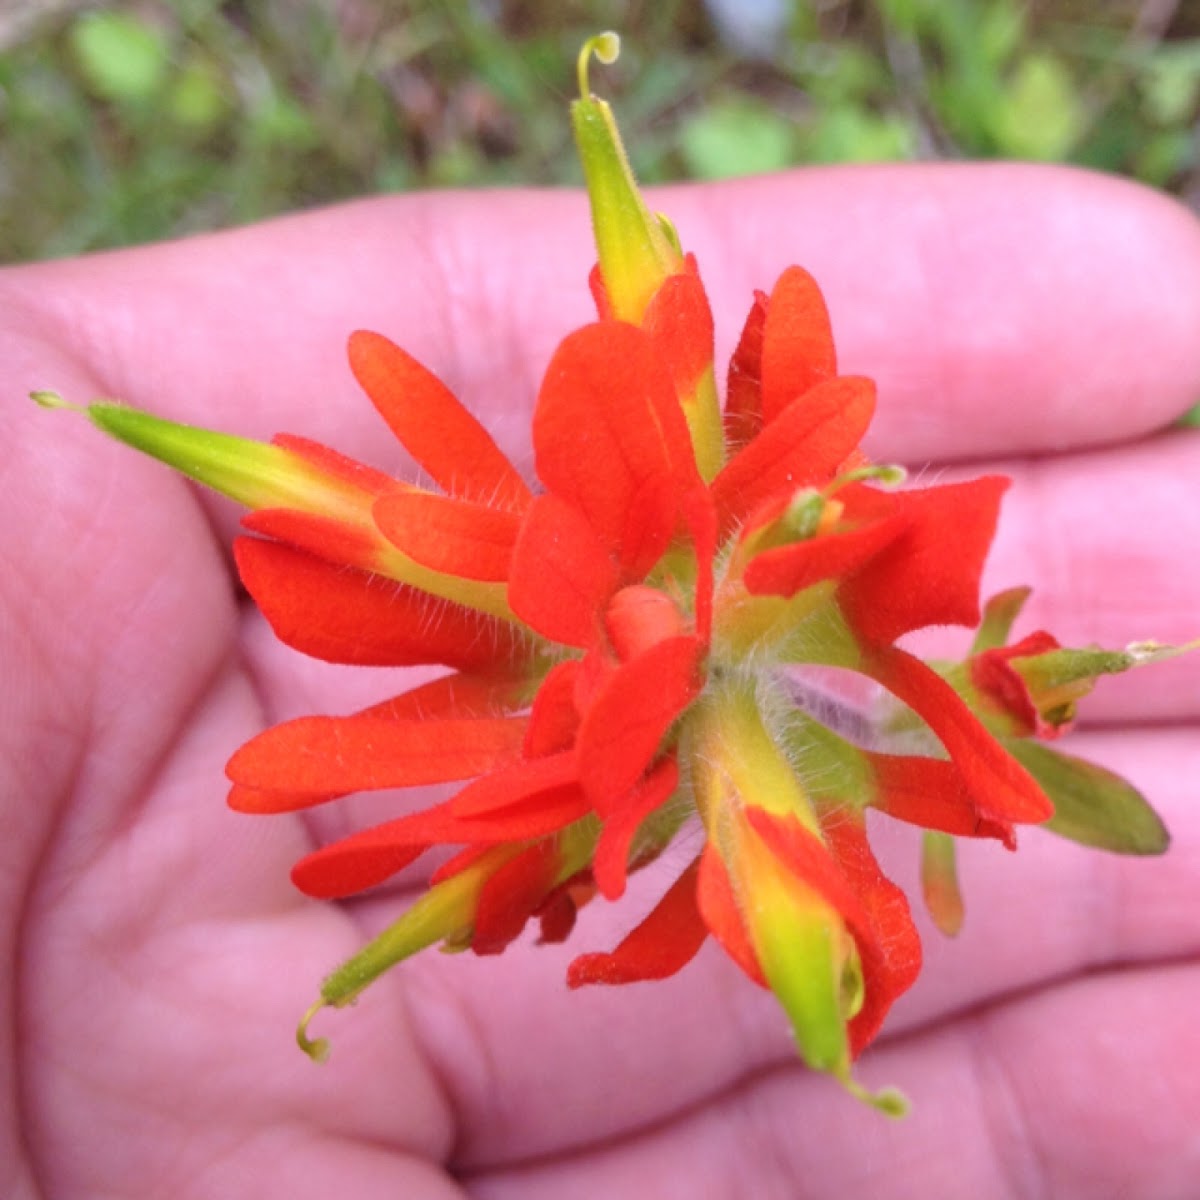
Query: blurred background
125, 122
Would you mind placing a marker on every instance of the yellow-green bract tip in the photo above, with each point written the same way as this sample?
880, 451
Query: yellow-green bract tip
606, 47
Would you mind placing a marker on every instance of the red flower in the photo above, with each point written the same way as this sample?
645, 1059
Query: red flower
625, 644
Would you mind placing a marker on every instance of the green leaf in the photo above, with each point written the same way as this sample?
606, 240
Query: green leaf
199, 96
1093, 806
1171, 88
1040, 116
120, 55
848, 133
1190, 419
737, 137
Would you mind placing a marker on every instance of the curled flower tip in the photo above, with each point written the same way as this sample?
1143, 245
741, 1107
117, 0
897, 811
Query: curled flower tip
52, 400
889, 1100
606, 47
316, 1048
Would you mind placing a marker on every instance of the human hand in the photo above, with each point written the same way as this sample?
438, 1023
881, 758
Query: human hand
160, 957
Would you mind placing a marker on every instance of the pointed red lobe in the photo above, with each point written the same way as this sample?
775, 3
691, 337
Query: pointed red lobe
561, 574
932, 793
458, 695
804, 445
321, 756
889, 945
337, 542
607, 429
786, 570
432, 425
511, 895
743, 385
1001, 789
342, 615
600, 294
680, 322
719, 907
610, 862
514, 783
557, 913
665, 942
373, 855
930, 575
554, 719
629, 716
456, 537
797, 345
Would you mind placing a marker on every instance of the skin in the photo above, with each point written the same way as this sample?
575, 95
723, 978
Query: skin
1036, 321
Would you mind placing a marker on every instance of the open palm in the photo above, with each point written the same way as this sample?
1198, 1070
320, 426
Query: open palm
159, 958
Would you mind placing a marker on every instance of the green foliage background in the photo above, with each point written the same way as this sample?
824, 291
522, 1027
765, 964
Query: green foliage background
126, 122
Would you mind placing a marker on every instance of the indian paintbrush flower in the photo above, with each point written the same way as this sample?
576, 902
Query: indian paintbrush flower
640, 643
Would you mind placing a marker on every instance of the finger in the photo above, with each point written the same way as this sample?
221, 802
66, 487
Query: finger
1076, 1091
1051, 912
1001, 308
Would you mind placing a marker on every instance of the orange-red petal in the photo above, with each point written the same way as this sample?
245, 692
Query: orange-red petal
514, 783
338, 542
797, 342
804, 445
348, 616
680, 322
719, 907
456, 537
554, 718
432, 425
561, 574
511, 896
611, 860
743, 385
624, 726
457, 695
665, 942
608, 432
320, 756
786, 570
889, 945
367, 858
1000, 787
930, 575
932, 793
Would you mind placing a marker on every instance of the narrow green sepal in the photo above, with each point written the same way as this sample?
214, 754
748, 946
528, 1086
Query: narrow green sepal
1092, 805
939, 881
999, 614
